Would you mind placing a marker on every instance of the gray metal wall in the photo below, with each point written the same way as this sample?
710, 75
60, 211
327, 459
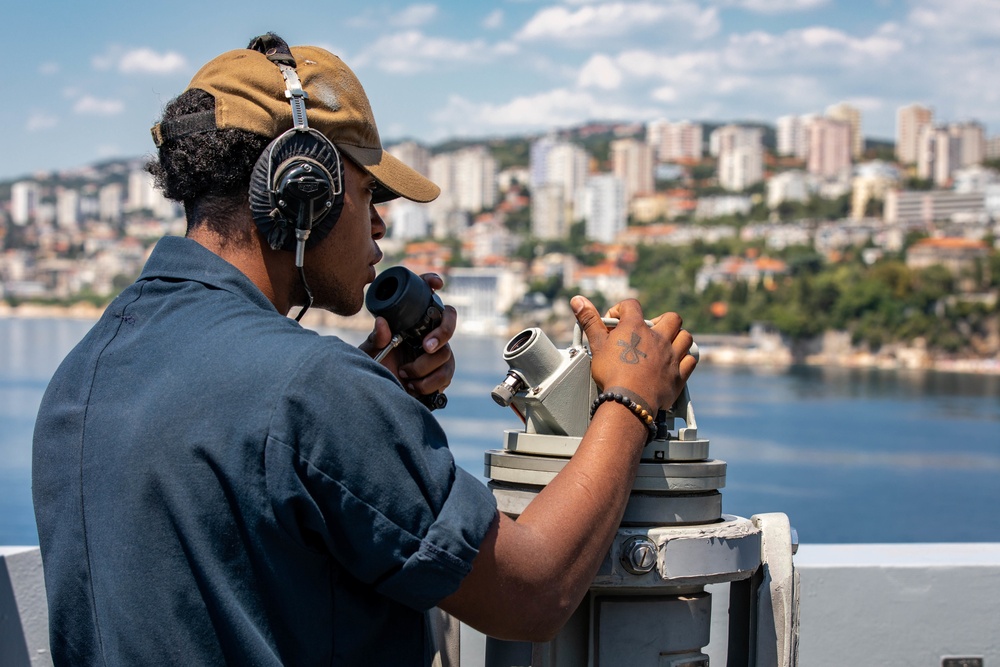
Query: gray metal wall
897, 605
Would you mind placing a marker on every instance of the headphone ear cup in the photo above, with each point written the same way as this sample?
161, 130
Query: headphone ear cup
274, 206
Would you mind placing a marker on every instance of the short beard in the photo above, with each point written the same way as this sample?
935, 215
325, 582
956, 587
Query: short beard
328, 295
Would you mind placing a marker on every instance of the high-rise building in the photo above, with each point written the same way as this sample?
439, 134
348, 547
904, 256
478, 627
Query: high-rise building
562, 163
791, 135
109, 203
972, 142
467, 178
548, 212
604, 207
910, 121
939, 153
413, 155
632, 162
68, 208
672, 142
829, 147
787, 132
567, 165
25, 197
741, 156
993, 148
538, 160
852, 116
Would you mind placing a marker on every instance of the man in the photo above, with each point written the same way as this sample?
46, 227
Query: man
215, 484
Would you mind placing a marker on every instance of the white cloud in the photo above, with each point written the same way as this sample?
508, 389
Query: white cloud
777, 6
600, 72
39, 120
412, 51
555, 108
48, 69
493, 20
139, 61
614, 19
414, 15
957, 20
92, 106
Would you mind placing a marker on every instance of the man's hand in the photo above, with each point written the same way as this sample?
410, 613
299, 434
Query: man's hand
431, 371
651, 362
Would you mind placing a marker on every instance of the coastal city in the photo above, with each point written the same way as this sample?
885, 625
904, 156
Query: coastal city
780, 243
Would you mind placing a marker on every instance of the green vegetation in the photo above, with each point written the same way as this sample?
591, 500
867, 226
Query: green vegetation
879, 304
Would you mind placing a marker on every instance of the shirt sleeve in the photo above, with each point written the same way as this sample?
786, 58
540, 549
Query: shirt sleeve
359, 469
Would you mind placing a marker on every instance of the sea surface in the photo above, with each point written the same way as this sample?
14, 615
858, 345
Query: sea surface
850, 455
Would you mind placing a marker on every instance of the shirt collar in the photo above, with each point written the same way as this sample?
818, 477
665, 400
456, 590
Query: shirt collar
181, 258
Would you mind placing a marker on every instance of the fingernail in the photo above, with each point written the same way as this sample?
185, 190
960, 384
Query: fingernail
576, 303
431, 344
402, 374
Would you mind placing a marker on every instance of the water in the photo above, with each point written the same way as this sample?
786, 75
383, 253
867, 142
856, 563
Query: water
849, 455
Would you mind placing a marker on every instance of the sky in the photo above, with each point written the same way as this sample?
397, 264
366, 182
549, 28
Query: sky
84, 81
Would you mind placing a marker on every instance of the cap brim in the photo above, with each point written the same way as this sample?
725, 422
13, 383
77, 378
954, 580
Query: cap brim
395, 177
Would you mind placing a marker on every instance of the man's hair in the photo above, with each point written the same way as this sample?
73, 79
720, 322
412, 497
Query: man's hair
209, 172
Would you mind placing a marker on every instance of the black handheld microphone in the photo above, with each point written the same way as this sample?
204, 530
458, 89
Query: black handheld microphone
412, 310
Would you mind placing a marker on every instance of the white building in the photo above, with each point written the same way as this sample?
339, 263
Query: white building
413, 155
567, 167
872, 180
993, 148
939, 154
932, 206
144, 196
718, 206
488, 240
846, 113
794, 185
548, 213
25, 197
482, 297
467, 178
675, 141
972, 142
975, 179
68, 208
632, 162
741, 156
910, 121
109, 203
604, 207
408, 220
829, 143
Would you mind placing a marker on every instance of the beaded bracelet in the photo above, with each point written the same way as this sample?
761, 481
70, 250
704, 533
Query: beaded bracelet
642, 413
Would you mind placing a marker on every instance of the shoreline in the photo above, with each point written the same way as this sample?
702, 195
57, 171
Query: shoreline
722, 355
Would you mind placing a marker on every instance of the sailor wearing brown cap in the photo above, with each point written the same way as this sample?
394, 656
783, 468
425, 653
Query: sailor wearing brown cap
215, 484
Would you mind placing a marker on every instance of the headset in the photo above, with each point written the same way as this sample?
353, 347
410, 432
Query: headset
297, 184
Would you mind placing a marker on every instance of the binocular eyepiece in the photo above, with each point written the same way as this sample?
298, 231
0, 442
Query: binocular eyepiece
412, 310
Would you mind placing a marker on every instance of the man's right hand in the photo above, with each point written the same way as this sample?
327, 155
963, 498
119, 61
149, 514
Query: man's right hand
652, 362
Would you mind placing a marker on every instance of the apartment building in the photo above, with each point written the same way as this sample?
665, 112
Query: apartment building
741, 156
829, 144
675, 142
910, 121
632, 162
604, 207
851, 115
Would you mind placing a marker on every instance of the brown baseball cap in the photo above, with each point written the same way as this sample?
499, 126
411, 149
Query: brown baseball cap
249, 93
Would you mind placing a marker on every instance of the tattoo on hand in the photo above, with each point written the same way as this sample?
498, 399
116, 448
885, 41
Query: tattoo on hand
631, 353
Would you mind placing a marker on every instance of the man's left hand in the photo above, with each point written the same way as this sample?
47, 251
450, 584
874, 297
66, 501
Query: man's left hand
431, 371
